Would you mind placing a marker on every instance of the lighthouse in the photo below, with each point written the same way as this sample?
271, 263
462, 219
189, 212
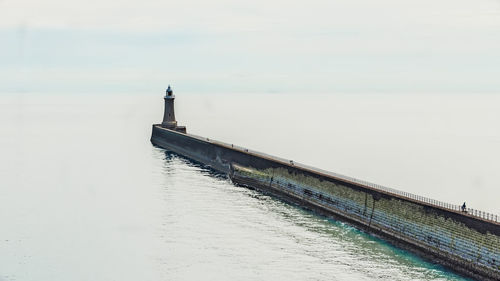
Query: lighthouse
169, 121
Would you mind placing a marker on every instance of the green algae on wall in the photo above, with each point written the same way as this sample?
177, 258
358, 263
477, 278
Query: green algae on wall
413, 222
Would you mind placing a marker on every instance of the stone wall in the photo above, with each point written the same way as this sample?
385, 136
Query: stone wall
441, 236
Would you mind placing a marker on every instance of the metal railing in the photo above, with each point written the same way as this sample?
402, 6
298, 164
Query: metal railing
428, 201
418, 198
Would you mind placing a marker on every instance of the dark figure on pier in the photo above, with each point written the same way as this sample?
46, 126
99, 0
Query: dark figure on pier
463, 207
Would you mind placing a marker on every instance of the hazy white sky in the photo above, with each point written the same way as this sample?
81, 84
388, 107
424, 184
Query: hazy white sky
276, 46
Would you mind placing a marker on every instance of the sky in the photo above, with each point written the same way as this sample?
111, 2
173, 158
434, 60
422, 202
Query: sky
355, 46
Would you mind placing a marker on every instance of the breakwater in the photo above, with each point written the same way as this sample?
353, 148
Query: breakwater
468, 242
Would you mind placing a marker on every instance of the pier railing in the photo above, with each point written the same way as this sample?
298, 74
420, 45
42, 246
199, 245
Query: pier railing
428, 201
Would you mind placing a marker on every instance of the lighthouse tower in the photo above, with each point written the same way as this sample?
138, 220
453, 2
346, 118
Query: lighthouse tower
169, 115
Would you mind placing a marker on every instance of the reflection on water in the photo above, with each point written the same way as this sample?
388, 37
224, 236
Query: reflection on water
216, 230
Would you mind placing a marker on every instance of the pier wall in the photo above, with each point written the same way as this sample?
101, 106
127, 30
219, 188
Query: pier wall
467, 244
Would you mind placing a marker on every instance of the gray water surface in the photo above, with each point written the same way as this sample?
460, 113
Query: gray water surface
85, 196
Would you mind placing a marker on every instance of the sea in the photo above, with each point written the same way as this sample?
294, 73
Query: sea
84, 195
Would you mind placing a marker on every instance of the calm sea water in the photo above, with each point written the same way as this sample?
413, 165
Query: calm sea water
85, 196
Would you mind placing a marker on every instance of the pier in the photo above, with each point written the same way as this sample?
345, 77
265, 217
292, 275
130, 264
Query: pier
467, 241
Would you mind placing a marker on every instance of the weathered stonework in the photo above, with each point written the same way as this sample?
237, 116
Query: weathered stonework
413, 223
